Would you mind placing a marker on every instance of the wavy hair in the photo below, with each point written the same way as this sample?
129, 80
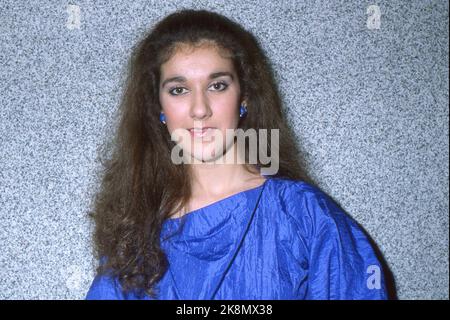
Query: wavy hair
140, 187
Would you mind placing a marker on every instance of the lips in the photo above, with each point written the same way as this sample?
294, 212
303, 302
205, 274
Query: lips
200, 132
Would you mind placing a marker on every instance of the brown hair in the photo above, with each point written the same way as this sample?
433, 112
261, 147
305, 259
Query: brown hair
140, 186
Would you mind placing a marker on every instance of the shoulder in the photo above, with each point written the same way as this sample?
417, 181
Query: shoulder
298, 195
306, 206
285, 187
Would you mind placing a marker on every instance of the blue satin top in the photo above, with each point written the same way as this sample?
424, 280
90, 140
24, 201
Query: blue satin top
298, 245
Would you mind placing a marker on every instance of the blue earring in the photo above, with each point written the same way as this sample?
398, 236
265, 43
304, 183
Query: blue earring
162, 118
242, 111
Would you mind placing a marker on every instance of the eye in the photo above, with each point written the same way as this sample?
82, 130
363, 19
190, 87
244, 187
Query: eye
176, 91
218, 85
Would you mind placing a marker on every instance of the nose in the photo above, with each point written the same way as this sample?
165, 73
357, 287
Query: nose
200, 109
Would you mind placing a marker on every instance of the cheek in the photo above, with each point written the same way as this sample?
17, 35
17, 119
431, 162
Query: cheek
175, 111
229, 115
174, 121
227, 108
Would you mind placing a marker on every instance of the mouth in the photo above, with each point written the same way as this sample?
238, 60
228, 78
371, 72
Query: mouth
201, 132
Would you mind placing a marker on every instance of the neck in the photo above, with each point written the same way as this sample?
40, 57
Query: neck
212, 180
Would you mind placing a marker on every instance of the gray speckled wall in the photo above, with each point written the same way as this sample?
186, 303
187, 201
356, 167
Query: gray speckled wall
366, 90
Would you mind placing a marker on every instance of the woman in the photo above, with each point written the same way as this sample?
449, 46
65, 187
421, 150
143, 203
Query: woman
208, 227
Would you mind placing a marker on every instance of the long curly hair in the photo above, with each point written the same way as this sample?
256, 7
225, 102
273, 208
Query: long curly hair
140, 186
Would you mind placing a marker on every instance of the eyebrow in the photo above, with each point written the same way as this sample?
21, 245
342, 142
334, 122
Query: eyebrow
211, 76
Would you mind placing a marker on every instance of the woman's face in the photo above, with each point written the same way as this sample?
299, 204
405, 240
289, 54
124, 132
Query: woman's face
200, 89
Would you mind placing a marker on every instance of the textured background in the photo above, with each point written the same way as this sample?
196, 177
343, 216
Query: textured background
368, 101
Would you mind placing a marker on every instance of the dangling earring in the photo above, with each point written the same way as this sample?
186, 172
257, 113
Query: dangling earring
242, 111
162, 118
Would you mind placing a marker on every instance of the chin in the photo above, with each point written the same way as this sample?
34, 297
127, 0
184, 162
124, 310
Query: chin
207, 153
205, 156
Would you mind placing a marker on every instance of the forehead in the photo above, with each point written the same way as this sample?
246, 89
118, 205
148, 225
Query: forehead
205, 56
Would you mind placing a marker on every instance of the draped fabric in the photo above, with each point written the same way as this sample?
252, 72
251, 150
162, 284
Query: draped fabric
299, 245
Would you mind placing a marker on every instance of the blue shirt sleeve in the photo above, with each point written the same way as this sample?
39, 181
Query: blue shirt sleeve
104, 287
342, 263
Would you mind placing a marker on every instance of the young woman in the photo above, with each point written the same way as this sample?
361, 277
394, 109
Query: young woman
206, 228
